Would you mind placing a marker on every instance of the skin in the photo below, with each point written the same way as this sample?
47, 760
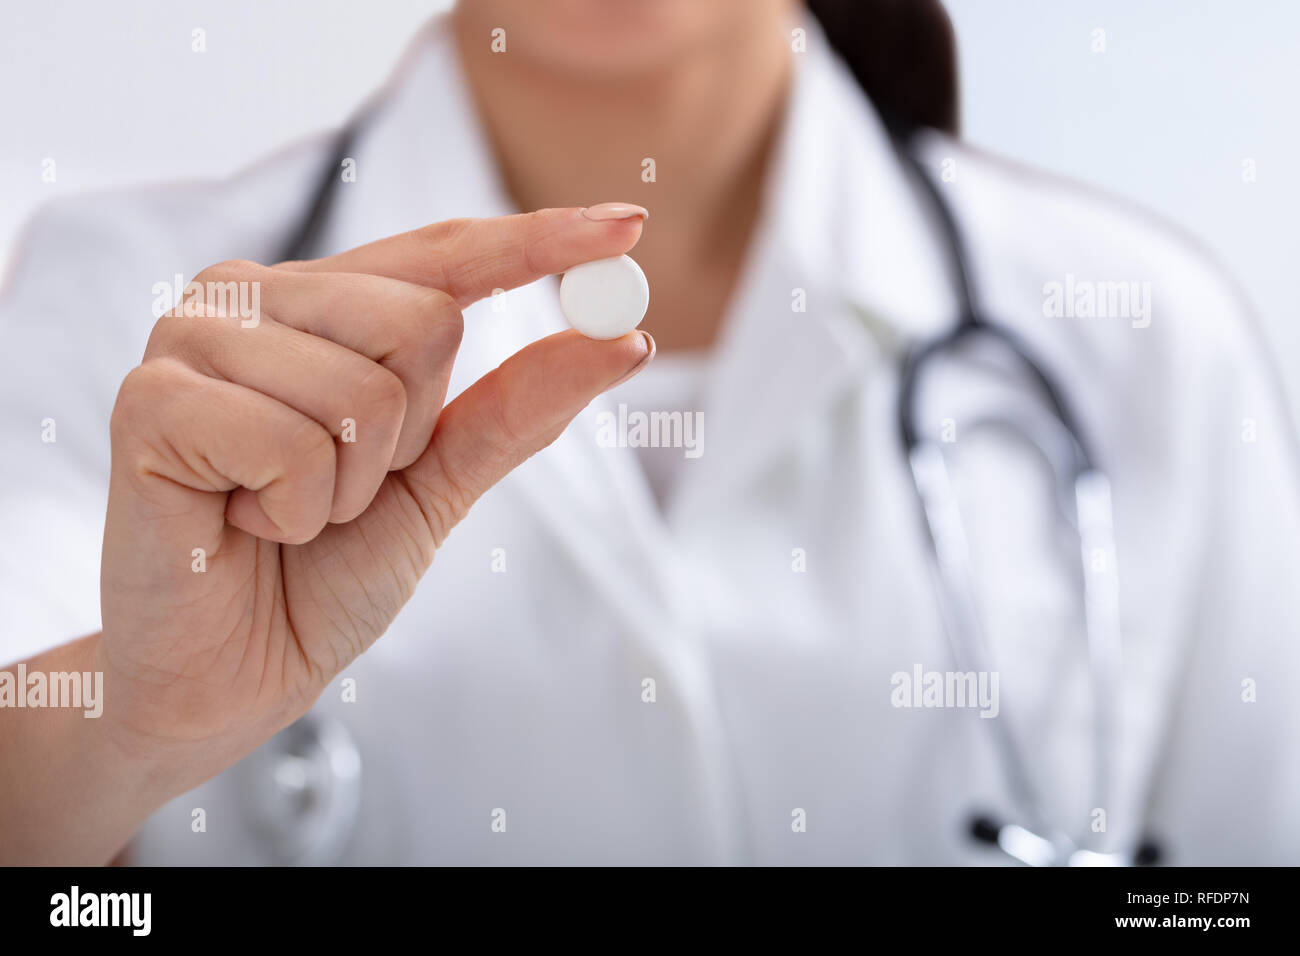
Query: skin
227, 438
697, 86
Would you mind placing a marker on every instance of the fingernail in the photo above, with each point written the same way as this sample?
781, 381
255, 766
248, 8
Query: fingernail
645, 359
605, 211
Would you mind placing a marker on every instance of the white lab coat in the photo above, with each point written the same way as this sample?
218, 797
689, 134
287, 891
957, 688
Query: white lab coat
522, 691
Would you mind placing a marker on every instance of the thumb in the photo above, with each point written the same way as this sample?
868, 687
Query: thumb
513, 412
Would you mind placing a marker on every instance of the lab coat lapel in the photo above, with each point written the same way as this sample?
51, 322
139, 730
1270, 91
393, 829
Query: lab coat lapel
422, 156
596, 503
840, 277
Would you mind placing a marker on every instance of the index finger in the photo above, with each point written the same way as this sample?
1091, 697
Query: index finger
470, 258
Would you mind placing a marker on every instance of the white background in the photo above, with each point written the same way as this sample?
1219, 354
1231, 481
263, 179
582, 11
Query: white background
1185, 90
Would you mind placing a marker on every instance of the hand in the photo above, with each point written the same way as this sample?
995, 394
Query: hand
227, 438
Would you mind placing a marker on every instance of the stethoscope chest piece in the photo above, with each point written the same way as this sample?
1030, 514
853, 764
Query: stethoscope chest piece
301, 792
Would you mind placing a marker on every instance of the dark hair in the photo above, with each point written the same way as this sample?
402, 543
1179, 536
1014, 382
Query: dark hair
903, 54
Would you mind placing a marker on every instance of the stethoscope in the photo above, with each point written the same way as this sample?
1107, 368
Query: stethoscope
303, 786
1083, 497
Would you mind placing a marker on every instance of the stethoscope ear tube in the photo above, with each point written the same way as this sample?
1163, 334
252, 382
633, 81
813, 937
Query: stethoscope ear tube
969, 328
971, 321
301, 243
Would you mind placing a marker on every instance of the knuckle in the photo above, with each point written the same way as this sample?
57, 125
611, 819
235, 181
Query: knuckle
530, 253
442, 503
382, 394
227, 270
462, 260
443, 242
146, 383
164, 335
444, 509
511, 436
309, 446
142, 390
440, 328
532, 241
212, 293
310, 467
175, 334
449, 230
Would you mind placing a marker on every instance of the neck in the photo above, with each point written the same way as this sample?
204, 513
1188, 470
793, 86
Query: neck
707, 122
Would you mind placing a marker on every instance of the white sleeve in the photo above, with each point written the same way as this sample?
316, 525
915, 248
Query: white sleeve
66, 350
1229, 780
76, 308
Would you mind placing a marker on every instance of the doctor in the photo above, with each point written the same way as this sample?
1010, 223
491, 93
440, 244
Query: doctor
623, 654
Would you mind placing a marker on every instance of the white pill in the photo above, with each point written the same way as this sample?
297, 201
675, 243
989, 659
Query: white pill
605, 298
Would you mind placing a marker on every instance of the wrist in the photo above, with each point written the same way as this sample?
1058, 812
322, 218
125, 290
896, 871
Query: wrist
70, 791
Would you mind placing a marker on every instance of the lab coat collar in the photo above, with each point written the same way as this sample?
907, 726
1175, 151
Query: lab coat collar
423, 156
844, 212
843, 234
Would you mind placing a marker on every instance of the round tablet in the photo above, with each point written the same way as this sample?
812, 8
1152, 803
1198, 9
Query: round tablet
605, 298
